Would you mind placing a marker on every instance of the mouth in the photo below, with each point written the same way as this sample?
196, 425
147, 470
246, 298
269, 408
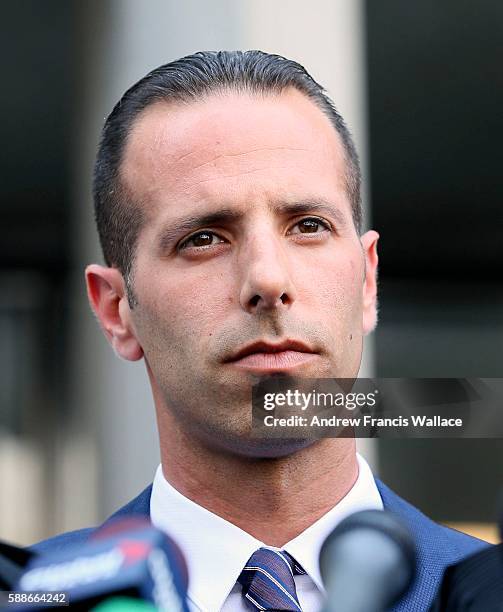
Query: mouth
264, 357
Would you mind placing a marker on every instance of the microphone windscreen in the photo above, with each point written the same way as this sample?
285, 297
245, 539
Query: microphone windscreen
13, 561
131, 559
124, 604
367, 562
473, 585
124, 525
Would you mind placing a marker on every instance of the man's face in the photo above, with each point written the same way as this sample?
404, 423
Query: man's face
248, 238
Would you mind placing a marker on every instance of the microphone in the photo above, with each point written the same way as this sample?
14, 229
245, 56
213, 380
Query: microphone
124, 604
367, 563
132, 523
129, 559
473, 585
13, 561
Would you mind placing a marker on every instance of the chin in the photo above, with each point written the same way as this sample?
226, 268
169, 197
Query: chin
268, 448
236, 438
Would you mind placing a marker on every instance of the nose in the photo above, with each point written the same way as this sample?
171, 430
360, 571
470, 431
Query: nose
267, 284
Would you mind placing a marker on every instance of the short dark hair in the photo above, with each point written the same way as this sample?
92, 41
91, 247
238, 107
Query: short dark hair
119, 219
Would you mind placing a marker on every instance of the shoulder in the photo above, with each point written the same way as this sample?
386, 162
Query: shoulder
447, 542
437, 547
62, 541
139, 506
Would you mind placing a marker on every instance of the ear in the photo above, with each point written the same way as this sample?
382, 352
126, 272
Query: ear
107, 295
369, 245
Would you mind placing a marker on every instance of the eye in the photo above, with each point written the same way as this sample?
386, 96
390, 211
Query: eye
310, 225
202, 239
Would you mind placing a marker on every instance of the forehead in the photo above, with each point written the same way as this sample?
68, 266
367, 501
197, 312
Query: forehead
233, 147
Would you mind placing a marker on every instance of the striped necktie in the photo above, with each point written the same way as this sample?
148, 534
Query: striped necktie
268, 583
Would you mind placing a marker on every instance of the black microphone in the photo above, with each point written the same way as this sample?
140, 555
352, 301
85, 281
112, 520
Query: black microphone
474, 584
367, 563
13, 561
130, 559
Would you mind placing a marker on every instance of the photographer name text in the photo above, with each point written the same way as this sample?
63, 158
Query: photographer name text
362, 421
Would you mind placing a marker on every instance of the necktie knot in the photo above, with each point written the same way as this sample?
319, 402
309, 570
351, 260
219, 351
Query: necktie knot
268, 583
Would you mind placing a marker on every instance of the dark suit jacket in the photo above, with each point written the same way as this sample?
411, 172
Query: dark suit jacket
437, 546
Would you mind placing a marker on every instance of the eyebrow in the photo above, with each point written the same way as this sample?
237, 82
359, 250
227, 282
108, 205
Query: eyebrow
179, 227
310, 206
171, 232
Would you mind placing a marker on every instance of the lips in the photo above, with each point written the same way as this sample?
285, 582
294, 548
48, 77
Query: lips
265, 356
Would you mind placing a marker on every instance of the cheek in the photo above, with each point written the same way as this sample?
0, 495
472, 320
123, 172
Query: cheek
182, 313
337, 287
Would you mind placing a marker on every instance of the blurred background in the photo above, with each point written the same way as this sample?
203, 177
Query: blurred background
420, 85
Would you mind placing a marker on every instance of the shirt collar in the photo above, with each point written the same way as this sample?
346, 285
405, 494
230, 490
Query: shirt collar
305, 548
216, 550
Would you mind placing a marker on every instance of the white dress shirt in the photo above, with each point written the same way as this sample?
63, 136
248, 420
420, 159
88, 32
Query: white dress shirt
216, 551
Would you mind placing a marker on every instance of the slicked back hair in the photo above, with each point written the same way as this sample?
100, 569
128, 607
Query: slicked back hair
119, 218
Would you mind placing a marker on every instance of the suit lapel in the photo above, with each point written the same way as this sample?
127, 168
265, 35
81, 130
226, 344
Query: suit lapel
433, 547
139, 506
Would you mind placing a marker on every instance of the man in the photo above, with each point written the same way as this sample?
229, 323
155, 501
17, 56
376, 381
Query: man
227, 197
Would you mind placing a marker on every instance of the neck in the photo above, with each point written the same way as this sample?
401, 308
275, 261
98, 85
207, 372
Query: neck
273, 500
